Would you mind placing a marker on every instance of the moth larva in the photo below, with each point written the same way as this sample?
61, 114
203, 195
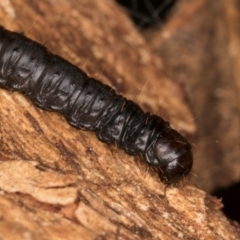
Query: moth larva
54, 84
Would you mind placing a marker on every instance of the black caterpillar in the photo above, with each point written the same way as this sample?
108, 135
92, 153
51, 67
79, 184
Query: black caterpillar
54, 84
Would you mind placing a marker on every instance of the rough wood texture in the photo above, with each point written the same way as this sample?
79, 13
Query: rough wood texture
61, 183
205, 37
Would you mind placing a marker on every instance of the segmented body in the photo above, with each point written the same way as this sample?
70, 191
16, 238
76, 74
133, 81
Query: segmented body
54, 84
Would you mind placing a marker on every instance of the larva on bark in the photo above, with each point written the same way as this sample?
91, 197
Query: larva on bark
54, 84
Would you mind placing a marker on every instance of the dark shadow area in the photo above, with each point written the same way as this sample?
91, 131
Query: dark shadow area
231, 200
148, 13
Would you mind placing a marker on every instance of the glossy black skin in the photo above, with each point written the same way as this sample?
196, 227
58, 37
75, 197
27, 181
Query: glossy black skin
54, 84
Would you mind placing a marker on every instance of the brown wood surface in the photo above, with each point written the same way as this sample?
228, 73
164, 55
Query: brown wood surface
200, 48
57, 182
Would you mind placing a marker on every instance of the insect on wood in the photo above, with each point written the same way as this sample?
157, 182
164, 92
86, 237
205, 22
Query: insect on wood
54, 84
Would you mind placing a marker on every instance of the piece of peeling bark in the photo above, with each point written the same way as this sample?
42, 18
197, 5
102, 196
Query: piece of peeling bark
58, 182
205, 37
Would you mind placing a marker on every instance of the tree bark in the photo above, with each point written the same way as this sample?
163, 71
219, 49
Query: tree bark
205, 36
58, 182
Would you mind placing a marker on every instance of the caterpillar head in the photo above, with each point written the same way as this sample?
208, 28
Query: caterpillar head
171, 153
